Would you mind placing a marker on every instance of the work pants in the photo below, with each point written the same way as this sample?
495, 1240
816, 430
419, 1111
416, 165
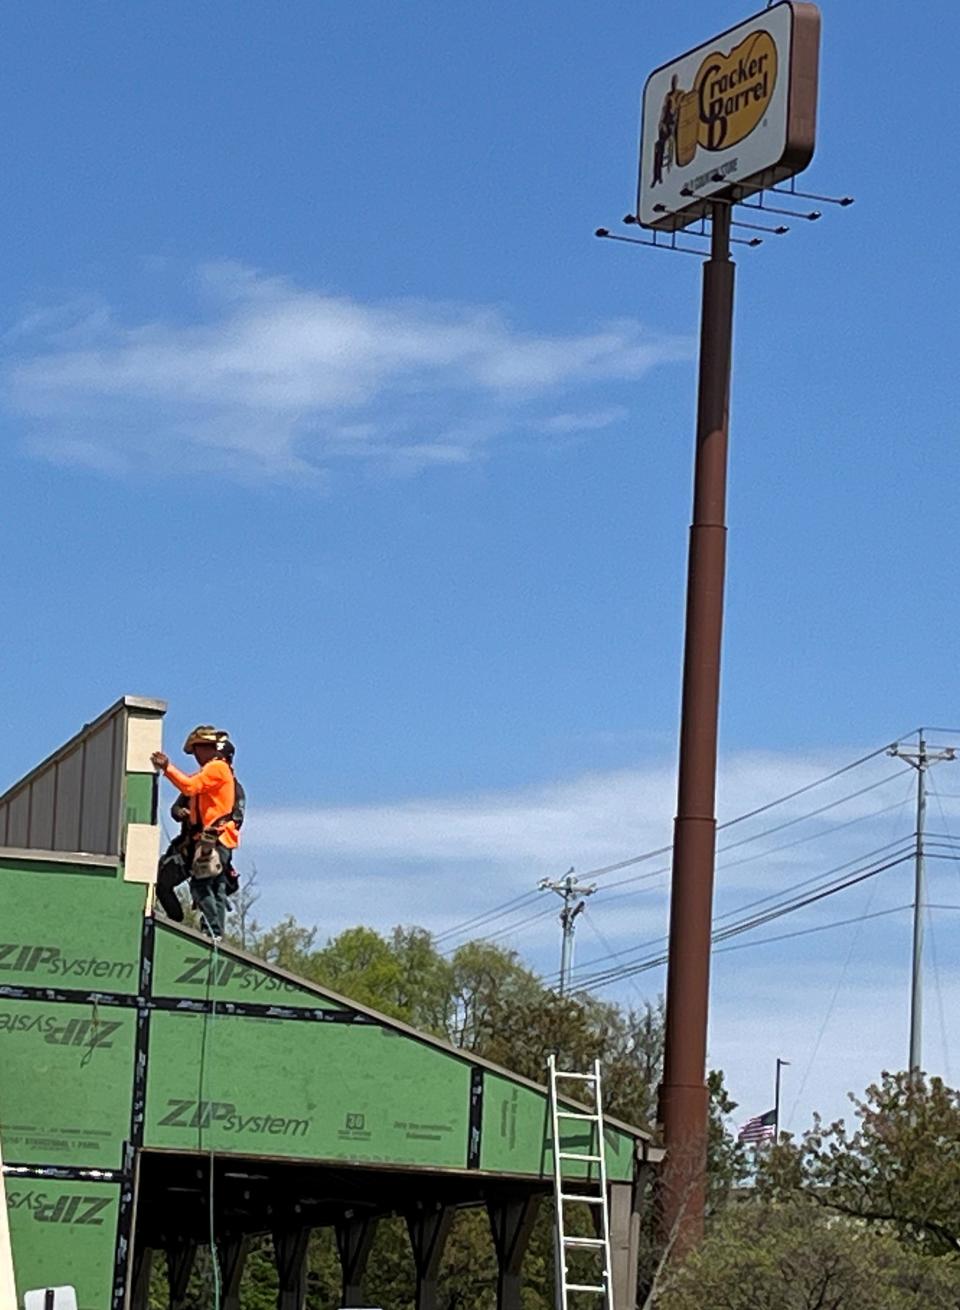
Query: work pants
174, 869
210, 896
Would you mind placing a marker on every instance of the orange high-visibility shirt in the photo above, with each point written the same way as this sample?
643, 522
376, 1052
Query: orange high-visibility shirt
212, 792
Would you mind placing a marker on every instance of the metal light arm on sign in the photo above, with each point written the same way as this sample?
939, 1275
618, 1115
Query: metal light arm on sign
670, 246
668, 241
781, 230
791, 190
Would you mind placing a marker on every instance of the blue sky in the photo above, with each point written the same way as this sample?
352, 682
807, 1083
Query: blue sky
325, 417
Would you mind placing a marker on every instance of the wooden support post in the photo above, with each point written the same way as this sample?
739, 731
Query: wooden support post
181, 1253
232, 1255
290, 1252
428, 1226
355, 1234
624, 1215
140, 1286
511, 1222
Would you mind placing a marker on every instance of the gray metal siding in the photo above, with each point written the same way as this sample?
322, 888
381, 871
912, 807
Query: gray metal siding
73, 801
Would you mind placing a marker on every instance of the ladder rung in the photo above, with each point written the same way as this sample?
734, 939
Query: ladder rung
583, 1241
579, 1077
585, 1287
572, 1114
572, 1155
576, 1196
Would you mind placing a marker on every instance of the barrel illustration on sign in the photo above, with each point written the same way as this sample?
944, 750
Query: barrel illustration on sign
728, 99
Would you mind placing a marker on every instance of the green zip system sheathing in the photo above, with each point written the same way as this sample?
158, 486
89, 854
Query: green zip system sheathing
136, 1059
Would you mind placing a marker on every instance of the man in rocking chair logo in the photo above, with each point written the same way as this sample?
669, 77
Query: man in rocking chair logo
728, 99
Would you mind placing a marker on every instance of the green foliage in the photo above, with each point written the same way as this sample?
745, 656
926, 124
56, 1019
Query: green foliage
728, 1160
767, 1256
899, 1169
484, 981
287, 944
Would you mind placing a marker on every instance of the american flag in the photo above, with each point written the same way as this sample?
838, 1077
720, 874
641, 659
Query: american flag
761, 1128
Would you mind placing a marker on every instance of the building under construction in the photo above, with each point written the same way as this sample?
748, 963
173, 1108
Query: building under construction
156, 1093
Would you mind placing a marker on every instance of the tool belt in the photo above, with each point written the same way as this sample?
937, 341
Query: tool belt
207, 861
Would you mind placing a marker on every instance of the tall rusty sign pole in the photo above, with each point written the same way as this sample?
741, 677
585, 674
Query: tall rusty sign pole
722, 124
683, 1092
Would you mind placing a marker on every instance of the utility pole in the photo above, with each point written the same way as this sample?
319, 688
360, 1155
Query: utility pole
921, 759
569, 889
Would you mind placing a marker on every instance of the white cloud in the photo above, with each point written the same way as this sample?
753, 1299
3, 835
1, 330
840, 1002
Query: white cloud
592, 820
274, 379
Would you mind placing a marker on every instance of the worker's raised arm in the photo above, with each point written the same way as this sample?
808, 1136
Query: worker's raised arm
195, 784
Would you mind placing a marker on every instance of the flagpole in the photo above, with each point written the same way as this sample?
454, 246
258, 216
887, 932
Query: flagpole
776, 1101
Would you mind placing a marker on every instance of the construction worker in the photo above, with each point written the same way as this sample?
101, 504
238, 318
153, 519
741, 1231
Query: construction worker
174, 867
211, 796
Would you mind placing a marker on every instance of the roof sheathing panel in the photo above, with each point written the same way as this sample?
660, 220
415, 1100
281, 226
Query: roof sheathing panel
322, 996
311, 1091
186, 968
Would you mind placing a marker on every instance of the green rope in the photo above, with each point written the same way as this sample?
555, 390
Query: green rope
206, 1042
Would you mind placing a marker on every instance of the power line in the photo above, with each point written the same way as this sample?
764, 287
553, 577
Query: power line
813, 814
936, 980
505, 931
531, 918
751, 814
855, 938
735, 930
801, 791
608, 976
767, 832
820, 927
485, 917
760, 855
521, 901
869, 856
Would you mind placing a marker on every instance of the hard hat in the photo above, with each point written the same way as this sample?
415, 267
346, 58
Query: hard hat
203, 733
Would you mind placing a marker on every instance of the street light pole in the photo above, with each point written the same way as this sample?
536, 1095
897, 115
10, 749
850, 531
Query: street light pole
781, 1064
683, 1092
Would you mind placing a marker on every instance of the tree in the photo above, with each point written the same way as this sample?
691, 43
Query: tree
899, 1169
243, 903
727, 1163
360, 964
768, 1256
424, 981
483, 979
286, 944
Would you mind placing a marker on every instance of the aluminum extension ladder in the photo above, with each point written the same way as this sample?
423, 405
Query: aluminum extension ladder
595, 1189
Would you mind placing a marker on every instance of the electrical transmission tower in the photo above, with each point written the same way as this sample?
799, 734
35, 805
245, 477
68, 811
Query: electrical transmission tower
569, 889
920, 759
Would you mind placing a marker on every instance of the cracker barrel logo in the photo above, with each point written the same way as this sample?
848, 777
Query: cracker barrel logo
727, 101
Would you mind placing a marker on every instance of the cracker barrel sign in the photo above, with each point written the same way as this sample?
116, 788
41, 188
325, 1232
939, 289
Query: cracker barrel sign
731, 117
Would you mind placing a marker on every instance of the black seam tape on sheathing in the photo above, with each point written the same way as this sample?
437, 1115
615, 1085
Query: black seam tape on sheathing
185, 1005
475, 1131
251, 1010
65, 1173
61, 996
